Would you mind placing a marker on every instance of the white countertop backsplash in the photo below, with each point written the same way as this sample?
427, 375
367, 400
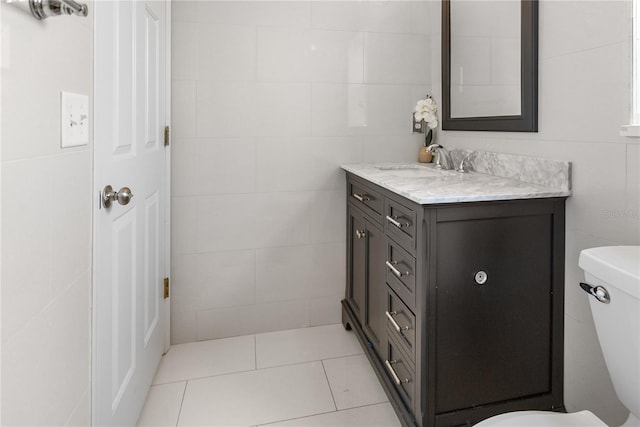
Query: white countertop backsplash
492, 176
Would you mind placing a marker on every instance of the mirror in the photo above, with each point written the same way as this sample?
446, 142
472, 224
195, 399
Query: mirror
490, 65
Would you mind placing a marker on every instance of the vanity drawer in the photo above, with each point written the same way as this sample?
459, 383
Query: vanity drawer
400, 222
401, 323
366, 198
401, 272
401, 371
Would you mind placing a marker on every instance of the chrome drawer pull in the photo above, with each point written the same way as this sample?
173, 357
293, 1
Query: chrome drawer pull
396, 378
394, 270
394, 221
395, 324
362, 197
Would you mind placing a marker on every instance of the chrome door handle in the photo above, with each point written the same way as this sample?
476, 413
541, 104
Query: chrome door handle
394, 221
395, 324
394, 270
360, 234
361, 197
123, 196
396, 378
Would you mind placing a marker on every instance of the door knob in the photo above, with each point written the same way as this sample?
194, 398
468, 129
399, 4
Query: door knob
123, 196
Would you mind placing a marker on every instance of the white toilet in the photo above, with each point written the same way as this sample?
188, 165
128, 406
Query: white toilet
613, 279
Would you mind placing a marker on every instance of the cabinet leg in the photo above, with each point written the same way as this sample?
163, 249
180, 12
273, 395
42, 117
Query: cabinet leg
346, 322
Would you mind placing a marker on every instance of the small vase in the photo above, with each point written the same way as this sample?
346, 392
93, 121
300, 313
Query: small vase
424, 155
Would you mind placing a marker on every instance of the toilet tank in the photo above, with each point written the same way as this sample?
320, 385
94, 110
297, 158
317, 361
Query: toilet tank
617, 269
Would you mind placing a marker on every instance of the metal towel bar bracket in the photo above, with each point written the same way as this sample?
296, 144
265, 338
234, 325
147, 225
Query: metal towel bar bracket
42, 9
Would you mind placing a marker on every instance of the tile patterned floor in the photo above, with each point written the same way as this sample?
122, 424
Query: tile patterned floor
303, 377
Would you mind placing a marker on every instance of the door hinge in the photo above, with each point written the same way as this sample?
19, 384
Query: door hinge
166, 287
166, 136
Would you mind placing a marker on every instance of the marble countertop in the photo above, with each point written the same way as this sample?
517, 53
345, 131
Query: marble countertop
424, 184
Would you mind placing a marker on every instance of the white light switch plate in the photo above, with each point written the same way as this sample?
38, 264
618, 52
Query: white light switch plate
74, 119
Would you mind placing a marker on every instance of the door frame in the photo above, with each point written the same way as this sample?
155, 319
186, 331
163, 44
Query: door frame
167, 175
167, 226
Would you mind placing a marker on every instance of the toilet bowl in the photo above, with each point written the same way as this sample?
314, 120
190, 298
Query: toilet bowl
543, 418
612, 276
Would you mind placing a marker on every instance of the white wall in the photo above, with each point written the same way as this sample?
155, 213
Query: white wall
269, 98
46, 224
584, 98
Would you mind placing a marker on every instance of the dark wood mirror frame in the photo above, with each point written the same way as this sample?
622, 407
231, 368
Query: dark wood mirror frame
527, 121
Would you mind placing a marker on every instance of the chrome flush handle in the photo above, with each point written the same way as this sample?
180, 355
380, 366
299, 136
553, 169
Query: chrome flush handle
599, 292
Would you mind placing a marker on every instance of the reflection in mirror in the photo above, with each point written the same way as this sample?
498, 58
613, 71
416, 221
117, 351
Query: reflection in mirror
485, 58
490, 65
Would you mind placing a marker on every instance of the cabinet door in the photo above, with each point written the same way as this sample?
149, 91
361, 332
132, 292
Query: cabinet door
376, 285
366, 285
356, 263
493, 340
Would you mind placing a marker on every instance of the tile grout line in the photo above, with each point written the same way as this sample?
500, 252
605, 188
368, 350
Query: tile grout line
325, 413
296, 418
324, 369
311, 361
208, 376
256, 369
184, 393
340, 357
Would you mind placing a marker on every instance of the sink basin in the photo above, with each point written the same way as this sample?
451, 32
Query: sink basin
411, 171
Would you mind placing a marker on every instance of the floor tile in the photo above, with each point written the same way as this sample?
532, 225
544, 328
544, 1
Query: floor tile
353, 382
304, 345
380, 415
257, 397
163, 405
207, 358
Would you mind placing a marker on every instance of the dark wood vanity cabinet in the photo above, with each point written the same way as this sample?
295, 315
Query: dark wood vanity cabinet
459, 306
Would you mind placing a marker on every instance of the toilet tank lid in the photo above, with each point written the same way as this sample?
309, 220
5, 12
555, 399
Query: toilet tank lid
619, 266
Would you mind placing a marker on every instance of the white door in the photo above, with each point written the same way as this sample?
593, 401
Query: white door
129, 239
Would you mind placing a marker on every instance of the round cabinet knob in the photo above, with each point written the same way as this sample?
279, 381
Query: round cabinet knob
481, 277
124, 196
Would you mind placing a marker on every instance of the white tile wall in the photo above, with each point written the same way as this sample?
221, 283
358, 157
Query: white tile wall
46, 239
183, 107
240, 320
584, 98
219, 60
397, 58
255, 13
269, 99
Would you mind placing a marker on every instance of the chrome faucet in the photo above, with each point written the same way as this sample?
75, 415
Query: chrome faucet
462, 168
443, 159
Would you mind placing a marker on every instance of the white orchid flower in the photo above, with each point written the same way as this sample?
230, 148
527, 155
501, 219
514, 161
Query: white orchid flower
427, 111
